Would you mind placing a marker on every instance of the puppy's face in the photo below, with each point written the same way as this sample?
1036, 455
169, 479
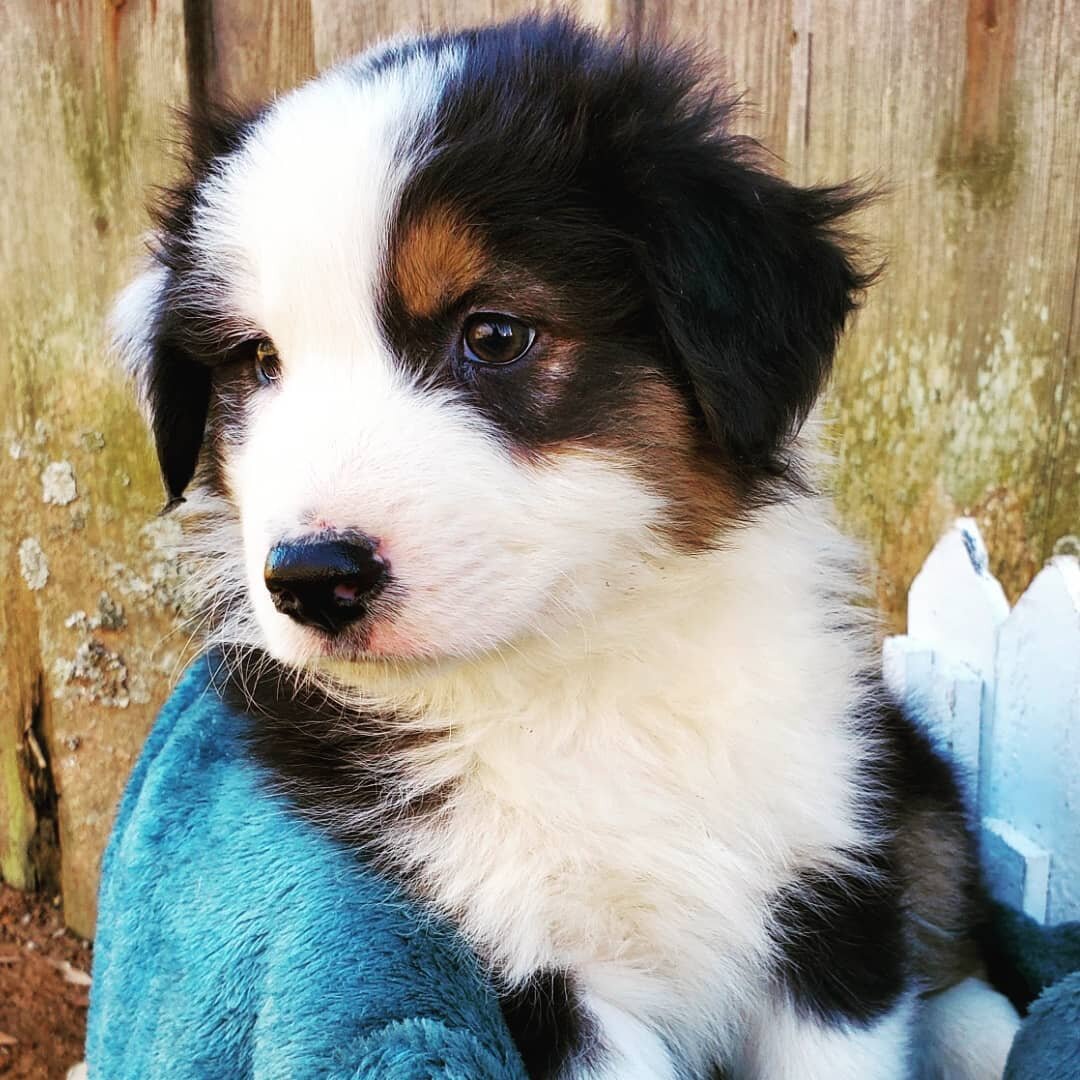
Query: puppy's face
462, 333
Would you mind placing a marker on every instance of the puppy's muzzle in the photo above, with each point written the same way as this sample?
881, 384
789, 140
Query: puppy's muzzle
325, 582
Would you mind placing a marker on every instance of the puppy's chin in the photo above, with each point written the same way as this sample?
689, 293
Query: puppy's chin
366, 647
375, 678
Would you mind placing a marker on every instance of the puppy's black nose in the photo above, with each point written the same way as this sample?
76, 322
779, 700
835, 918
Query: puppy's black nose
327, 582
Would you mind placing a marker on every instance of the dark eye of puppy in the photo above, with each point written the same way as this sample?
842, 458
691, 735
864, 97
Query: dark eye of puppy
491, 338
267, 362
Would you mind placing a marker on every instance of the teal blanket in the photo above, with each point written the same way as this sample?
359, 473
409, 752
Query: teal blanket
236, 941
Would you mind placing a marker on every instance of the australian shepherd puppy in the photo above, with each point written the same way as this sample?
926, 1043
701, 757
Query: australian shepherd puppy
483, 361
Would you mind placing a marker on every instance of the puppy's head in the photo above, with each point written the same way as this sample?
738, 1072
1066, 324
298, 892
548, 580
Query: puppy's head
465, 331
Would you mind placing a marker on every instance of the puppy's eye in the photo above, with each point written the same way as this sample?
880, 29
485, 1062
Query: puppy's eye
490, 338
267, 362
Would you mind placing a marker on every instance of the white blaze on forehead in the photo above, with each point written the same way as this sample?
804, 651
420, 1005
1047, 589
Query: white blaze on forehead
296, 223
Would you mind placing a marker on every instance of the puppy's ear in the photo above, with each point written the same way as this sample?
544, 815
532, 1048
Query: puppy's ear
754, 280
173, 388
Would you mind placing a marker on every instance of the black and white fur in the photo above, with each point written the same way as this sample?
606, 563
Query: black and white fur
618, 714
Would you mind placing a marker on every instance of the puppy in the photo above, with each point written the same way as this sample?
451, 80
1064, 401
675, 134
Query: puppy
483, 361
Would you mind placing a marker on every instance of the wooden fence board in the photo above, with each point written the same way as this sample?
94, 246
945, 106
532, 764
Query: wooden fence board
760, 50
256, 50
85, 89
953, 392
342, 29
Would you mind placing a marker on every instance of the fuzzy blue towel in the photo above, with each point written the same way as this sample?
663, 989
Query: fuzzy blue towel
236, 941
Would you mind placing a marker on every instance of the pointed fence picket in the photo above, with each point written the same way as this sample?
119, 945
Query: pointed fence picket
999, 690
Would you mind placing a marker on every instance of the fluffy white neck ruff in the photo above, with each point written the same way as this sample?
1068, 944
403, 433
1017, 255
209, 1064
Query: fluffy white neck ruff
627, 797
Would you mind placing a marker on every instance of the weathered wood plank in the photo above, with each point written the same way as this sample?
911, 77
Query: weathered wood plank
86, 88
256, 50
342, 29
953, 393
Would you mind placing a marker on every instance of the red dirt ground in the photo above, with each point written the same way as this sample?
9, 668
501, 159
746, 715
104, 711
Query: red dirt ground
44, 986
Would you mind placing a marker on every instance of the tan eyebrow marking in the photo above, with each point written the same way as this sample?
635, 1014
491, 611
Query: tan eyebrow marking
438, 258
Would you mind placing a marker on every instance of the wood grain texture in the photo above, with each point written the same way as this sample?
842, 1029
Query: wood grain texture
88, 594
342, 28
954, 393
957, 390
257, 50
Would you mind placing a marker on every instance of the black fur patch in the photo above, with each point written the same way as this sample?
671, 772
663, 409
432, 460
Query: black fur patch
843, 937
842, 944
625, 218
178, 391
187, 332
337, 767
911, 767
547, 1024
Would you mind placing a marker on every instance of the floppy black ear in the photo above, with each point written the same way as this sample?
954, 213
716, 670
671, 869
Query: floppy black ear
754, 281
173, 388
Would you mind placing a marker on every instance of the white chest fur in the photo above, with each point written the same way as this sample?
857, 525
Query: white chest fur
625, 800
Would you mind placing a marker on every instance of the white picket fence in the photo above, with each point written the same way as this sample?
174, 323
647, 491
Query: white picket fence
1000, 690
